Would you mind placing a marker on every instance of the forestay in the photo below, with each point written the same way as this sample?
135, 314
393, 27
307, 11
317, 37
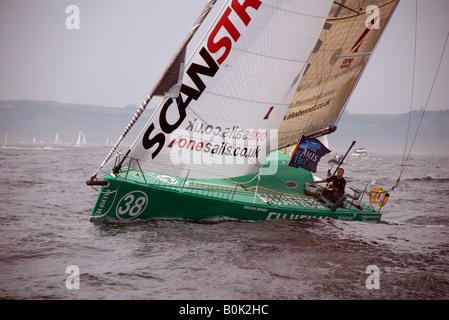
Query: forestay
235, 91
342, 52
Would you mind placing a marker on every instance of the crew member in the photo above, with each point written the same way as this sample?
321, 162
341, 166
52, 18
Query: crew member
338, 184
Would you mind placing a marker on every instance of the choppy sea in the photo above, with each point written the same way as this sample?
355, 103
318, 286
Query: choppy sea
50, 250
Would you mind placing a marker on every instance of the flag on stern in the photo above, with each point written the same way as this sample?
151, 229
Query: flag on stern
308, 153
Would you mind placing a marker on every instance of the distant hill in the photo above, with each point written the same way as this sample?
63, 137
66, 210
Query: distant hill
388, 133
25, 119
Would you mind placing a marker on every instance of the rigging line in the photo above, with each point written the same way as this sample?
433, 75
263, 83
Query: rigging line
362, 5
360, 13
342, 5
425, 107
411, 95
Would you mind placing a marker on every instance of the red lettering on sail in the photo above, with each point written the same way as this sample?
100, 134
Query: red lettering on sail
149, 139
240, 9
225, 42
358, 43
355, 49
268, 114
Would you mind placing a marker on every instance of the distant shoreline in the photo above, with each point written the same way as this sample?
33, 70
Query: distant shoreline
25, 120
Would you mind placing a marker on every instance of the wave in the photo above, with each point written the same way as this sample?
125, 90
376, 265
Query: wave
413, 223
29, 148
428, 178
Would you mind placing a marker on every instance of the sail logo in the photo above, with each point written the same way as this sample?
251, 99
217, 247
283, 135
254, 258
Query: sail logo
218, 43
371, 22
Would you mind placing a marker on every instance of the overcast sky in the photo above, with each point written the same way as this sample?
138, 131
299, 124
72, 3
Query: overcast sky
122, 47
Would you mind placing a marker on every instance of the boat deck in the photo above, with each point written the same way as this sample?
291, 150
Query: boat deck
254, 191
134, 193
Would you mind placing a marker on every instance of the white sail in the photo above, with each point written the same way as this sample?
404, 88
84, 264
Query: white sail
235, 91
81, 139
345, 45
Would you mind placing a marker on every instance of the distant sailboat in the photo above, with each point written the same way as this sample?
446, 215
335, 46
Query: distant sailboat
57, 141
109, 143
81, 140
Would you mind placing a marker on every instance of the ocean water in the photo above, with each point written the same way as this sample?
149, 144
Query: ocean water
50, 250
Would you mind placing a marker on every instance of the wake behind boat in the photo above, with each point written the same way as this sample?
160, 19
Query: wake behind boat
255, 84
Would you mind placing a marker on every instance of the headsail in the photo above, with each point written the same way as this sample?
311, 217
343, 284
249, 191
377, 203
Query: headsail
345, 45
167, 84
235, 91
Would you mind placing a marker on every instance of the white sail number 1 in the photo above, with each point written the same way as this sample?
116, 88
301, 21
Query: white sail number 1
131, 205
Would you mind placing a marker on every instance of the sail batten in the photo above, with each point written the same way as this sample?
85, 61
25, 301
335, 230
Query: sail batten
270, 57
350, 55
277, 103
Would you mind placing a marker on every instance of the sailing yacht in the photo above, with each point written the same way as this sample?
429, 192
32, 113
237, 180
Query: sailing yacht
267, 74
81, 141
52, 146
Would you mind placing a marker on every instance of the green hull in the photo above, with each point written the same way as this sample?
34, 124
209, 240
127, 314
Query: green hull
136, 195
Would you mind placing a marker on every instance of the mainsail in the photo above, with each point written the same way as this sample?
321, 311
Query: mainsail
235, 91
349, 36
